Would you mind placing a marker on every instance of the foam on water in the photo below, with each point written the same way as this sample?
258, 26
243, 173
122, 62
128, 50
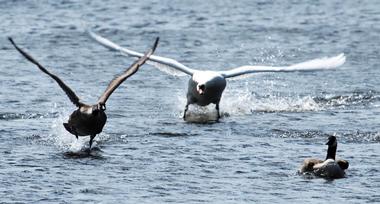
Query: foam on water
197, 114
59, 135
245, 102
16, 116
363, 97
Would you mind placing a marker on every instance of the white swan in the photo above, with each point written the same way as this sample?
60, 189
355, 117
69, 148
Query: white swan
206, 87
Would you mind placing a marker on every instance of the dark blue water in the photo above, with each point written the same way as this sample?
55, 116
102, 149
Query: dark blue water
147, 153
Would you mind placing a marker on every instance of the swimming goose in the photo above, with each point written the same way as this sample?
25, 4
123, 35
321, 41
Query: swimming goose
329, 168
206, 87
89, 119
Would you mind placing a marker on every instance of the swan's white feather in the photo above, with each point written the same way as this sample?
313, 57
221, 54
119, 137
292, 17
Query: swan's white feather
158, 62
311, 65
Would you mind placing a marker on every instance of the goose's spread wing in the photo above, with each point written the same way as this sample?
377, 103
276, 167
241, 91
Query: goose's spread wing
70, 93
159, 62
129, 72
311, 65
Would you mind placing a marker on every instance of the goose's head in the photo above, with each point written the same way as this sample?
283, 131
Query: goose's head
93, 109
332, 146
97, 108
331, 141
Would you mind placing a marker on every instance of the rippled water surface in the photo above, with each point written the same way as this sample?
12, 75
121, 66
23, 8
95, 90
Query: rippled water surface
147, 153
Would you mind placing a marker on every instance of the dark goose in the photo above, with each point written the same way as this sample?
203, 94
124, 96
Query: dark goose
89, 119
329, 168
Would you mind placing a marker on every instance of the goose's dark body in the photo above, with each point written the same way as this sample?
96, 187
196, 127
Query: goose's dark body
89, 120
84, 121
328, 168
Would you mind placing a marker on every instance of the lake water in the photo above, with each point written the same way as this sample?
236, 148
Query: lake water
147, 153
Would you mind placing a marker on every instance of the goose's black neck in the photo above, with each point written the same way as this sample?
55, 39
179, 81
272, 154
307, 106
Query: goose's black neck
331, 151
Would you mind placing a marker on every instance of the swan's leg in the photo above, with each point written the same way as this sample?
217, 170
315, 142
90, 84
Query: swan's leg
184, 113
91, 139
217, 110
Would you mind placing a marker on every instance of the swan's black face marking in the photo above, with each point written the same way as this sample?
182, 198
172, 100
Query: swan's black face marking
201, 88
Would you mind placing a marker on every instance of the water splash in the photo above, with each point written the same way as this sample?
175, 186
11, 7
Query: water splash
246, 103
196, 114
59, 135
63, 139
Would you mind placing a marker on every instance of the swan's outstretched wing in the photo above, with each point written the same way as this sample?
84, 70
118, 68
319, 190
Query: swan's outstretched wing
70, 93
311, 65
159, 62
129, 72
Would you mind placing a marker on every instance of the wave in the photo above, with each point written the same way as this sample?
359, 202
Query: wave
247, 103
171, 134
244, 102
348, 137
17, 116
64, 140
359, 97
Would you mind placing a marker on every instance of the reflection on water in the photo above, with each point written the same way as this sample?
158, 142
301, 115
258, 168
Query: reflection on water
94, 153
